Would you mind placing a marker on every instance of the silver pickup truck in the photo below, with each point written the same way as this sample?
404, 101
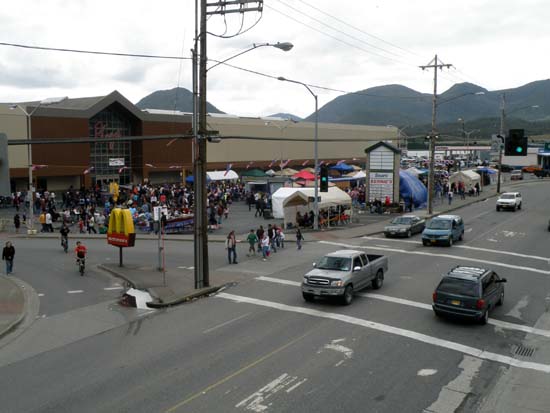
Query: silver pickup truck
340, 273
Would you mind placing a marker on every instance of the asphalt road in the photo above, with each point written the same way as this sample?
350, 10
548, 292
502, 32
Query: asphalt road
259, 347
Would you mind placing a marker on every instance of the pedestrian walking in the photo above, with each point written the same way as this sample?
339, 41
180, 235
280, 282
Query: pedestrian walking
265, 246
299, 239
272, 240
91, 225
450, 196
260, 234
16, 222
252, 240
231, 246
7, 255
49, 221
281, 236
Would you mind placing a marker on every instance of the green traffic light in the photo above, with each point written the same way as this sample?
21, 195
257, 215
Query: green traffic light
519, 149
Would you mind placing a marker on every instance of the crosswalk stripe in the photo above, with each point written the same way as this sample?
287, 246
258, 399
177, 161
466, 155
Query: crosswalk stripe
413, 335
402, 301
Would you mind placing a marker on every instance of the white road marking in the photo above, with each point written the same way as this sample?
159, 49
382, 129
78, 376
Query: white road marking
402, 301
226, 323
75, 292
255, 402
113, 288
296, 385
426, 372
516, 311
382, 246
480, 215
492, 240
468, 247
348, 352
413, 335
430, 254
41, 295
467, 230
454, 393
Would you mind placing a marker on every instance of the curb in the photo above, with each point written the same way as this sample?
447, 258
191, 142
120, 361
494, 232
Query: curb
197, 294
19, 319
155, 304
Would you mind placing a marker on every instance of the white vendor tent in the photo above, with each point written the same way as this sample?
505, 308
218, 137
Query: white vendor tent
470, 178
287, 201
222, 175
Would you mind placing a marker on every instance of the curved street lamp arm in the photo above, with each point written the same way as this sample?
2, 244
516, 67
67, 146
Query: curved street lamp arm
284, 46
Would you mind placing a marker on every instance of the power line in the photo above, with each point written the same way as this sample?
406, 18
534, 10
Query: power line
358, 29
338, 30
148, 56
96, 52
334, 37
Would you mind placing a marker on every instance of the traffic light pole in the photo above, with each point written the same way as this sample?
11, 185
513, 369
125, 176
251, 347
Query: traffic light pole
501, 144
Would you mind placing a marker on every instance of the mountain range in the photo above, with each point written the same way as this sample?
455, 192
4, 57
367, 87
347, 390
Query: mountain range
528, 105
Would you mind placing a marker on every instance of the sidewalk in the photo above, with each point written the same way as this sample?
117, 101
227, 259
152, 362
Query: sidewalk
12, 305
174, 288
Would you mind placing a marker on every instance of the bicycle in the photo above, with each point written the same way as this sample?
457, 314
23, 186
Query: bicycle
81, 262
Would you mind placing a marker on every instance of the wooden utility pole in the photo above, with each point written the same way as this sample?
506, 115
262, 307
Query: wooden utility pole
434, 64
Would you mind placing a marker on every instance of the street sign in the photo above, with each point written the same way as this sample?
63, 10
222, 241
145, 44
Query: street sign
496, 144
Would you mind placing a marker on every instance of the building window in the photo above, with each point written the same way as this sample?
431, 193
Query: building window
112, 161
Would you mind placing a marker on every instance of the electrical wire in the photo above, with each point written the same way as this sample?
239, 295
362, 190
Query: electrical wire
358, 29
335, 38
255, 72
338, 30
95, 52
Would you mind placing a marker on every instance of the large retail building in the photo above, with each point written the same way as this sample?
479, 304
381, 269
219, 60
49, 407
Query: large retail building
245, 142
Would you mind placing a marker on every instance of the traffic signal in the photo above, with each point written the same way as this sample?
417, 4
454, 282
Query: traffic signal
516, 143
324, 178
4, 166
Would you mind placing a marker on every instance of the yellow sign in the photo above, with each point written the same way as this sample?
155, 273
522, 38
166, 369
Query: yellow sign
121, 230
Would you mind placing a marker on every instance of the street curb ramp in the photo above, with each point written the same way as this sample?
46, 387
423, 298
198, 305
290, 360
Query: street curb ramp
154, 291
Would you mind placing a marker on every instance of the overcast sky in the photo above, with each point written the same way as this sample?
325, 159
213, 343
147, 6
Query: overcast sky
347, 45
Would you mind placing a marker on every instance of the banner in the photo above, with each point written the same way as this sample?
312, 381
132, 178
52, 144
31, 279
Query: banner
121, 232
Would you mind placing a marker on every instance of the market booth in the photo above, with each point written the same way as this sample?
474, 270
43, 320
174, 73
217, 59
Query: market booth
286, 202
470, 178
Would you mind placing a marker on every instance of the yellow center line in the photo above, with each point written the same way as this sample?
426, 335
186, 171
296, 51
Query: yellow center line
232, 375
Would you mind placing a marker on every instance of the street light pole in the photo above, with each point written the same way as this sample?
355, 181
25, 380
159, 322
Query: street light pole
202, 276
315, 151
30, 195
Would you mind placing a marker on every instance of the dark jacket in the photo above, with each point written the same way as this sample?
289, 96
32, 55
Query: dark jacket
8, 253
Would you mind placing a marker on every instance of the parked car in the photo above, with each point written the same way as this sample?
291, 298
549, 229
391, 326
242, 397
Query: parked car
468, 292
405, 226
443, 229
516, 175
542, 173
504, 168
531, 168
340, 273
509, 200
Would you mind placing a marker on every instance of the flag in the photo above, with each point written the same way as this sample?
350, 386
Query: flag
272, 163
35, 167
249, 164
174, 167
354, 159
305, 163
227, 168
122, 169
285, 163
150, 165
321, 163
340, 162
87, 171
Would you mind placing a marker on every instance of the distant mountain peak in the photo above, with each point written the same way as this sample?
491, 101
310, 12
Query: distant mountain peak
177, 98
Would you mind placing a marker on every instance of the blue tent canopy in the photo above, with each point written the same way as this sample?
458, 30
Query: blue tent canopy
410, 185
342, 168
191, 179
490, 171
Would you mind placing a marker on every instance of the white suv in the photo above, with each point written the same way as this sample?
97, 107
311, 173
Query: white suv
509, 200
